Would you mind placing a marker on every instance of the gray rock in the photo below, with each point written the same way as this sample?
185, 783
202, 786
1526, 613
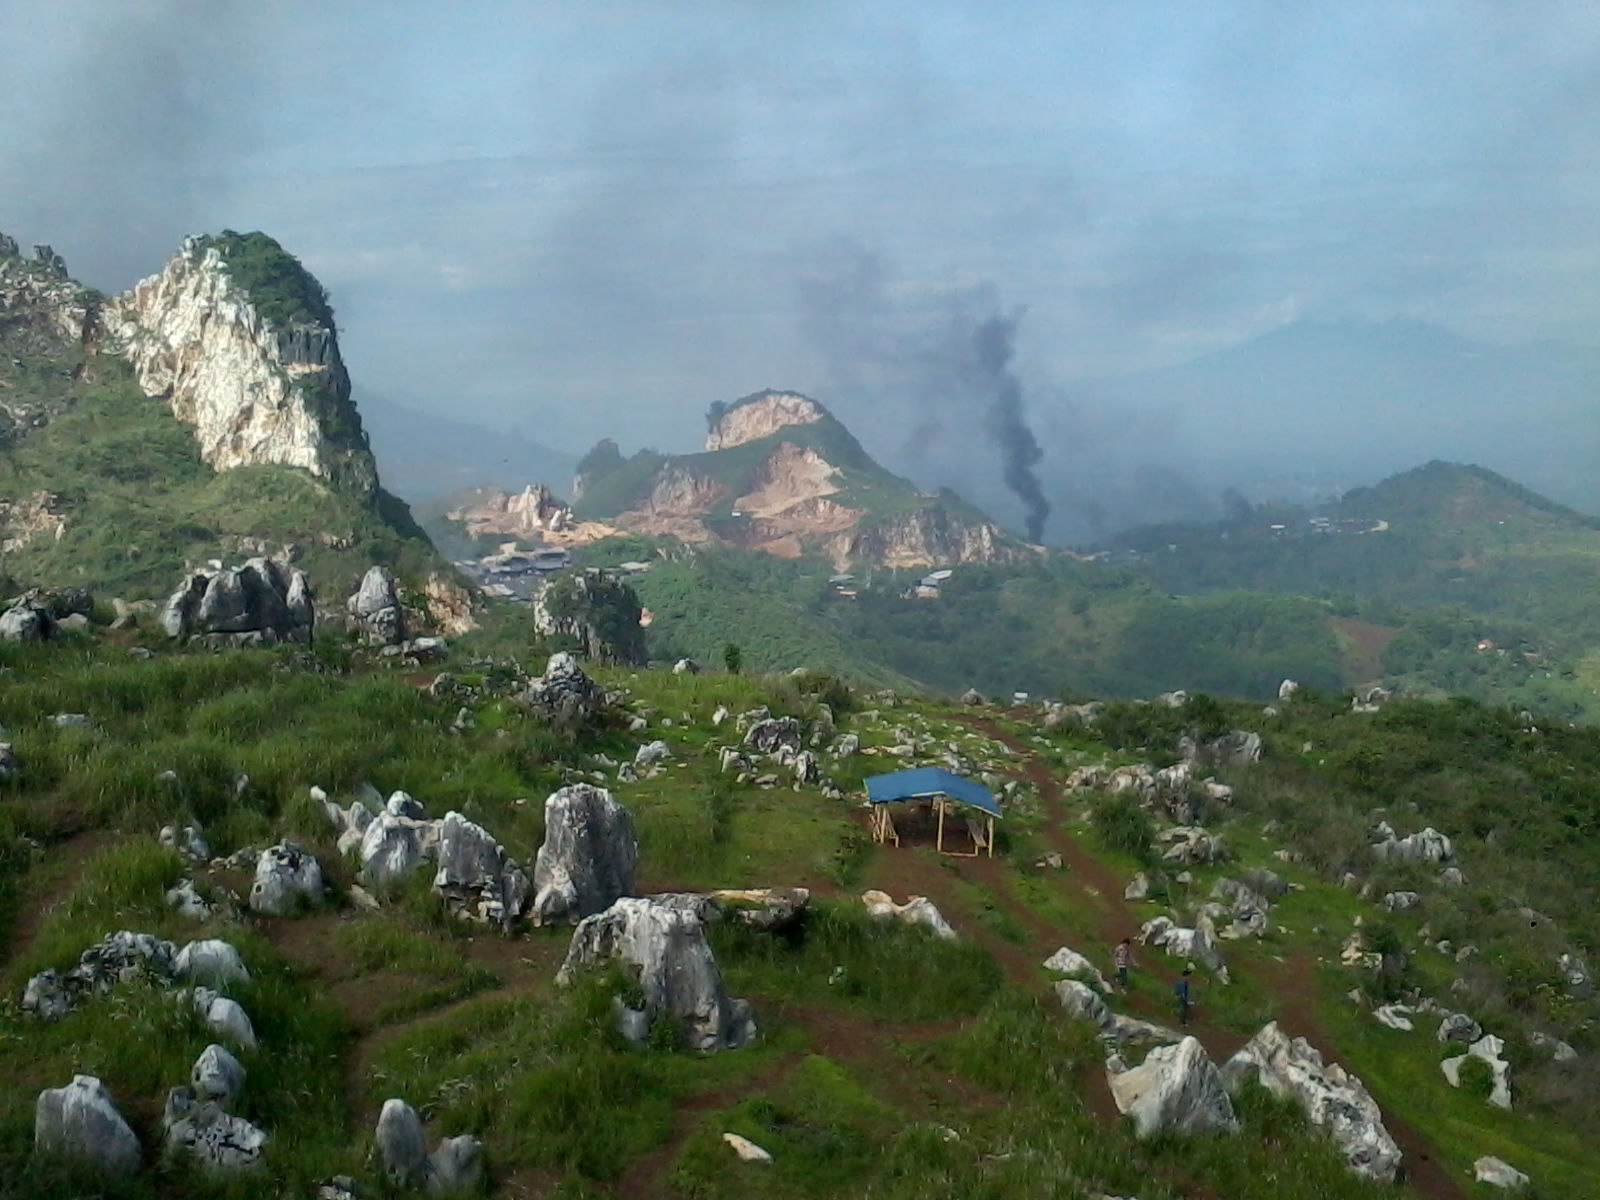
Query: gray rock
1498, 1173
686, 666
456, 1166
1081, 1002
918, 910
650, 754
477, 879
10, 768
1395, 1016
587, 860
202, 1130
186, 841
376, 605
287, 880
246, 605
72, 721
1487, 1048
401, 1144
24, 623
47, 996
80, 1122
188, 902
1458, 1027
972, 696
1138, 888
1401, 901
1266, 883
402, 804
217, 1075
766, 736
676, 970
1559, 1051
393, 847
1177, 1089
847, 746
1067, 961
1427, 846
211, 961
564, 694
1332, 1098
225, 1017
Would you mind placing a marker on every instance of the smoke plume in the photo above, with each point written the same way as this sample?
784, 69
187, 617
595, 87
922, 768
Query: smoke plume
1005, 419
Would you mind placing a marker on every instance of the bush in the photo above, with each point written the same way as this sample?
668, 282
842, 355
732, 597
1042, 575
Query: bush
1124, 827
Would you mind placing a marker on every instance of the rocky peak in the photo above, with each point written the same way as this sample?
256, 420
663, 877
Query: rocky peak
239, 339
39, 287
532, 512
759, 416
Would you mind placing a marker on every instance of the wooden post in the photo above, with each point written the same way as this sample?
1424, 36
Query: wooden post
991, 837
941, 826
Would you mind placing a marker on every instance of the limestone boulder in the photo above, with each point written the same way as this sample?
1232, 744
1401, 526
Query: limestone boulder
665, 948
1498, 1173
217, 1075
588, 857
401, 1144
1067, 961
392, 846
245, 605
204, 1131
1081, 1002
288, 880
376, 606
1177, 1089
768, 735
918, 910
477, 880
211, 961
1487, 1049
80, 1122
564, 694
1332, 1098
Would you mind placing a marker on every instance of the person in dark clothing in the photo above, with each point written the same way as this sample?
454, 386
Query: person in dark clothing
1181, 991
1123, 959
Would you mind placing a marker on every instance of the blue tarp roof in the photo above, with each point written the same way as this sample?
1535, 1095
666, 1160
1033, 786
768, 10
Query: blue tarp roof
930, 781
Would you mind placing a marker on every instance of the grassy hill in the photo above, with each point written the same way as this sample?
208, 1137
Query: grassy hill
1457, 556
124, 479
889, 1063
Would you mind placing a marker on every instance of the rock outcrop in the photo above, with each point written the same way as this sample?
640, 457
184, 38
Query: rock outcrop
206, 1132
80, 1122
255, 389
759, 416
564, 694
665, 947
287, 880
402, 1148
477, 880
587, 860
1177, 1089
260, 603
377, 609
1332, 1097
918, 910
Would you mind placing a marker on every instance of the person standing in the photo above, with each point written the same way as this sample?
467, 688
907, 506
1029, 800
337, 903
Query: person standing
1181, 991
1122, 959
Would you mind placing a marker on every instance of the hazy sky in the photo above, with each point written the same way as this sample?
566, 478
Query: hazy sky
596, 219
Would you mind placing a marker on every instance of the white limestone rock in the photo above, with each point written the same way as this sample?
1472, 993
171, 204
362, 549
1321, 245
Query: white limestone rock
747, 1150
1333, 1098
81, 1122
212, 961
666, 947
918, 910
1177, 1089
217, 1075
1498, 1173
588, 856
1488, 1049
401, 1144
1082, 1002
204, 1131
288, 879
477, 879
1067, 961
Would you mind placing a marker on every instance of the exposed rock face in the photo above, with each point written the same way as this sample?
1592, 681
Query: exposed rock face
587, 860
477, 879
925, 537
759, 416
259, 603
918, 910
1082, 1002
253, 392
527, 516
376, 605
449, 605
1331, 1096
39, 289
680, 978
1177, 1089
564, 694
204, 1131
287, 878
80, 1122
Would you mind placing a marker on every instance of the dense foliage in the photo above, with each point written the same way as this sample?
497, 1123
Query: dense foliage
280, 289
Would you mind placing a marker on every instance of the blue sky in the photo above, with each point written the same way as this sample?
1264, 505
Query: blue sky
596, 219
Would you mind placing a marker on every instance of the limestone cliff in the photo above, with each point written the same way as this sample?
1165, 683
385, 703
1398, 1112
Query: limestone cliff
926, 537
256, 388
759, 416
40, 289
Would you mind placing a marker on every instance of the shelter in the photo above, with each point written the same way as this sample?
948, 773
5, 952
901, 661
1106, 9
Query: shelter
940, 787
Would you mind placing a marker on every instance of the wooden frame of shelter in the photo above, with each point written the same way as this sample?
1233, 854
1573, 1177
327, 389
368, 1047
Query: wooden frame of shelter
942, 787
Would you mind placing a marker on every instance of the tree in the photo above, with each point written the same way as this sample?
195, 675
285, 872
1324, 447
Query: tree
733, 657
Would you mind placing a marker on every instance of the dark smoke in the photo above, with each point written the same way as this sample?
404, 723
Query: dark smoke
1006, 422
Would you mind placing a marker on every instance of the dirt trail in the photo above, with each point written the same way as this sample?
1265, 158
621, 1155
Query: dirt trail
1291, 982
62, 869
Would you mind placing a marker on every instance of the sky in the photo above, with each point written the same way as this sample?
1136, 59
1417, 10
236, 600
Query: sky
593, 220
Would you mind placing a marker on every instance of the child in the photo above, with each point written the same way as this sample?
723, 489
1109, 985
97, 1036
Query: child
1181, 990
1123, 959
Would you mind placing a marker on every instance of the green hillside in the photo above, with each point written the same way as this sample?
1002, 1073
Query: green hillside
888, 1063
125, 480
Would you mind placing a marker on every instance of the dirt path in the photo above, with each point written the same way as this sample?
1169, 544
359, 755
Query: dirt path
50, 882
